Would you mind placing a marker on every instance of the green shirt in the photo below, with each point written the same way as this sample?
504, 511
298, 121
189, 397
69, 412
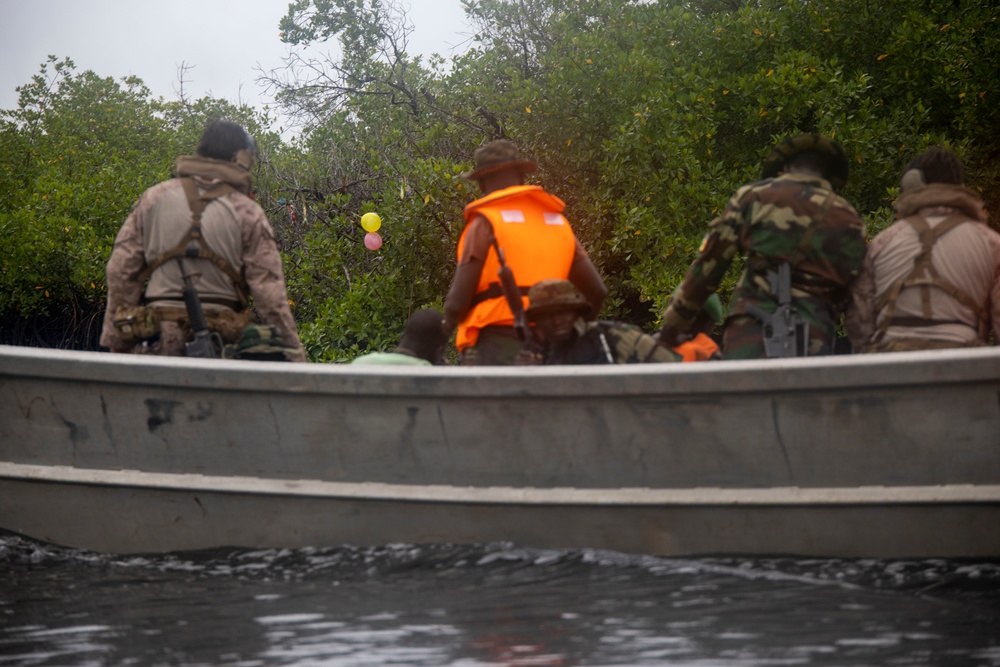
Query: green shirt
389, 359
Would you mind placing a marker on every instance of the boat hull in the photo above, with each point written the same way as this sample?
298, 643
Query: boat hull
876, 456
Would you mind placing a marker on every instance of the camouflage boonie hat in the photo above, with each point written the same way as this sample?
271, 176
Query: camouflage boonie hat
836, 164
262, 342
555, 294
497, 155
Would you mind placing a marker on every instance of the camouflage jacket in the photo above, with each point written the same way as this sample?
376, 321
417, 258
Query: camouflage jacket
794, 218
604, 342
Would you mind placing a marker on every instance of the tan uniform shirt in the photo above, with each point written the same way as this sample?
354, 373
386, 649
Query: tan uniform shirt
257, 251
968, 257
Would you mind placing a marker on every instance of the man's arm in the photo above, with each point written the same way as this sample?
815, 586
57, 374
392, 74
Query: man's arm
860, 318
583, 274
263, 272
478, 238
127, 260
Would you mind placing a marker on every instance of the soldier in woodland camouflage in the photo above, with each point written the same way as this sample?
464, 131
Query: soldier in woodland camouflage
557, 310
793, 215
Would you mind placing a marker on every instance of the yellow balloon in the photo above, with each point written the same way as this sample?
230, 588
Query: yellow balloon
371, 222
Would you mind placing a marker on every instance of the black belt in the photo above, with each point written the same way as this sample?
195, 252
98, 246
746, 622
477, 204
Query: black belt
492, 291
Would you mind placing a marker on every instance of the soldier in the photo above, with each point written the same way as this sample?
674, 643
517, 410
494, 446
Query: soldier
804, 247
200, 229
527, 225
932, 279
422, 343
557, 310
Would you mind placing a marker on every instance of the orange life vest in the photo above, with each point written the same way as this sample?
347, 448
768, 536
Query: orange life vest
537, 243
699, 348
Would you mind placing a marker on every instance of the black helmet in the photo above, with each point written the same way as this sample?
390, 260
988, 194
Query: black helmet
836, 160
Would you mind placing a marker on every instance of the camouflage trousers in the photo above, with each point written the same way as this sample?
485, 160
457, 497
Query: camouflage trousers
744, 339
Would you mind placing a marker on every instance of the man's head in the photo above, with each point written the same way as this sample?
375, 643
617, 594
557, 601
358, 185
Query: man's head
934, 165
228, 141
423, 336
809, 153
554, 307
499, 165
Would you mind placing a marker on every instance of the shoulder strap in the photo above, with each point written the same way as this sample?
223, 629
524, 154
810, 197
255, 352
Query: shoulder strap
193, 243
925, 275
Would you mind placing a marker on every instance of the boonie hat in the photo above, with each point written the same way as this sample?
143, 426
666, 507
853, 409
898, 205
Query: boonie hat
497, 155
555, 294
836, 163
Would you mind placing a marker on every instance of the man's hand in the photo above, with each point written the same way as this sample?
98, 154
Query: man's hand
527, 357
671, 338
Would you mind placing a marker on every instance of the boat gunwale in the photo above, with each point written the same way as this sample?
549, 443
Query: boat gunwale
663, 381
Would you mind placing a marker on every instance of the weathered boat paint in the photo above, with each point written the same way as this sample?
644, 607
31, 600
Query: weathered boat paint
878, 455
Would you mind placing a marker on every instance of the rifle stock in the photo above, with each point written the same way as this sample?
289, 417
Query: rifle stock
206, 344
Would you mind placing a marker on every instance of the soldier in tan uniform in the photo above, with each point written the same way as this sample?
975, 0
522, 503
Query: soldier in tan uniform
202, 224
932, 279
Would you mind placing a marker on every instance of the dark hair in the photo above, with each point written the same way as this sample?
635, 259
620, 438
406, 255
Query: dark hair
811, 160
423, 334
222, 139
939, 165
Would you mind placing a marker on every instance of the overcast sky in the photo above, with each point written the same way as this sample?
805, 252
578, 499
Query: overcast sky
222, 41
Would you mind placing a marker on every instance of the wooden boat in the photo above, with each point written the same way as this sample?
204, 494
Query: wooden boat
889, 455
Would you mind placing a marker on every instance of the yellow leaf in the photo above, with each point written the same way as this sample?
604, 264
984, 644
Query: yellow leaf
46, 294
638, 231
757, 32
589, 61
769, 72
826, 30
527, 109
93, 286
725, 92
883, 56
858, 158
961, 95
427, 199
568, 142
761, 113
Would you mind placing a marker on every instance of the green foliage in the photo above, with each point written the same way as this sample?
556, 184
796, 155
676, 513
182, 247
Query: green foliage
644, 117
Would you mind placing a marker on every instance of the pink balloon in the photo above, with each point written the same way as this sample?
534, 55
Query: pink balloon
373, 241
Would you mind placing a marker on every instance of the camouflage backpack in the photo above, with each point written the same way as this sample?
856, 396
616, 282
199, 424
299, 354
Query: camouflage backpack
260, 342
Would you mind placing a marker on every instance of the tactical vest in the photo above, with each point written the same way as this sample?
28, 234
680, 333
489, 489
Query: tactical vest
221, 282
537, 242
924, 276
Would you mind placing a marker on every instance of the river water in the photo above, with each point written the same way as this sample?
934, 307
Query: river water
493, 604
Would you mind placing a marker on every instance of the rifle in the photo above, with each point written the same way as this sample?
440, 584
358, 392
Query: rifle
786, 334
512, 293
206, 344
